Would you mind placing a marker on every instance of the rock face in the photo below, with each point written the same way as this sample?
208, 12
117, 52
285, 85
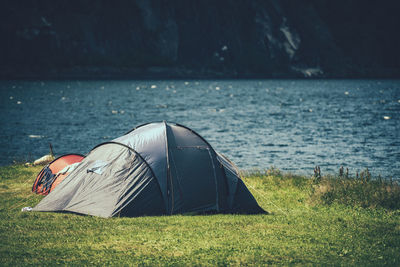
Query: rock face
225, 38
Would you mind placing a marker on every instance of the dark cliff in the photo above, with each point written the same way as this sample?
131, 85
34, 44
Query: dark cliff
225, 38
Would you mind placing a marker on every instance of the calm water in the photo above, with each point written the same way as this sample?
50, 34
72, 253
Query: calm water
291, 124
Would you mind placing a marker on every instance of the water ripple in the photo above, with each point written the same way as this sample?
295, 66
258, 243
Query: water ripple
293, 125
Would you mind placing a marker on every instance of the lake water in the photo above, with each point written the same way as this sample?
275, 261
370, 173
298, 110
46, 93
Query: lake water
290, 124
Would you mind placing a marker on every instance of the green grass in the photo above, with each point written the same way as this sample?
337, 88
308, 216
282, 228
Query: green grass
300, 231
361, 191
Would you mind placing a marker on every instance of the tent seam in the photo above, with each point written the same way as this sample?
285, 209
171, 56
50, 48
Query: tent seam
168, 168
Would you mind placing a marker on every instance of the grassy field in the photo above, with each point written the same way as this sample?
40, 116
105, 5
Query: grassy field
302, 229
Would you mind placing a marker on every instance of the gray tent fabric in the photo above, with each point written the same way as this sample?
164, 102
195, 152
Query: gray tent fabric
150, 142
231, 175
156, 169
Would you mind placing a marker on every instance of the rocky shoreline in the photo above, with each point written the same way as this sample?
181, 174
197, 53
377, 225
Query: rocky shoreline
187, 73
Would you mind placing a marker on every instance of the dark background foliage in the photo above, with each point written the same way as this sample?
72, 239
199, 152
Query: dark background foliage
180, 38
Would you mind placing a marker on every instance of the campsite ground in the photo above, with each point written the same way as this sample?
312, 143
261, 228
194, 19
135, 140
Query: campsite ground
301, 230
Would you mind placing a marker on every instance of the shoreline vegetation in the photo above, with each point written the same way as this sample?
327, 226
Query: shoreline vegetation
318, 220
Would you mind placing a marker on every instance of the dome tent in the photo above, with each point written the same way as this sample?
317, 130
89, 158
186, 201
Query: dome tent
157, 168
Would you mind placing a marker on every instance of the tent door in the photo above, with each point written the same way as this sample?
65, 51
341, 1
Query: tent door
194, 185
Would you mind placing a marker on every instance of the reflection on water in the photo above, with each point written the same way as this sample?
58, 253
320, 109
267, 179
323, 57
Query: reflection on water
291, 124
